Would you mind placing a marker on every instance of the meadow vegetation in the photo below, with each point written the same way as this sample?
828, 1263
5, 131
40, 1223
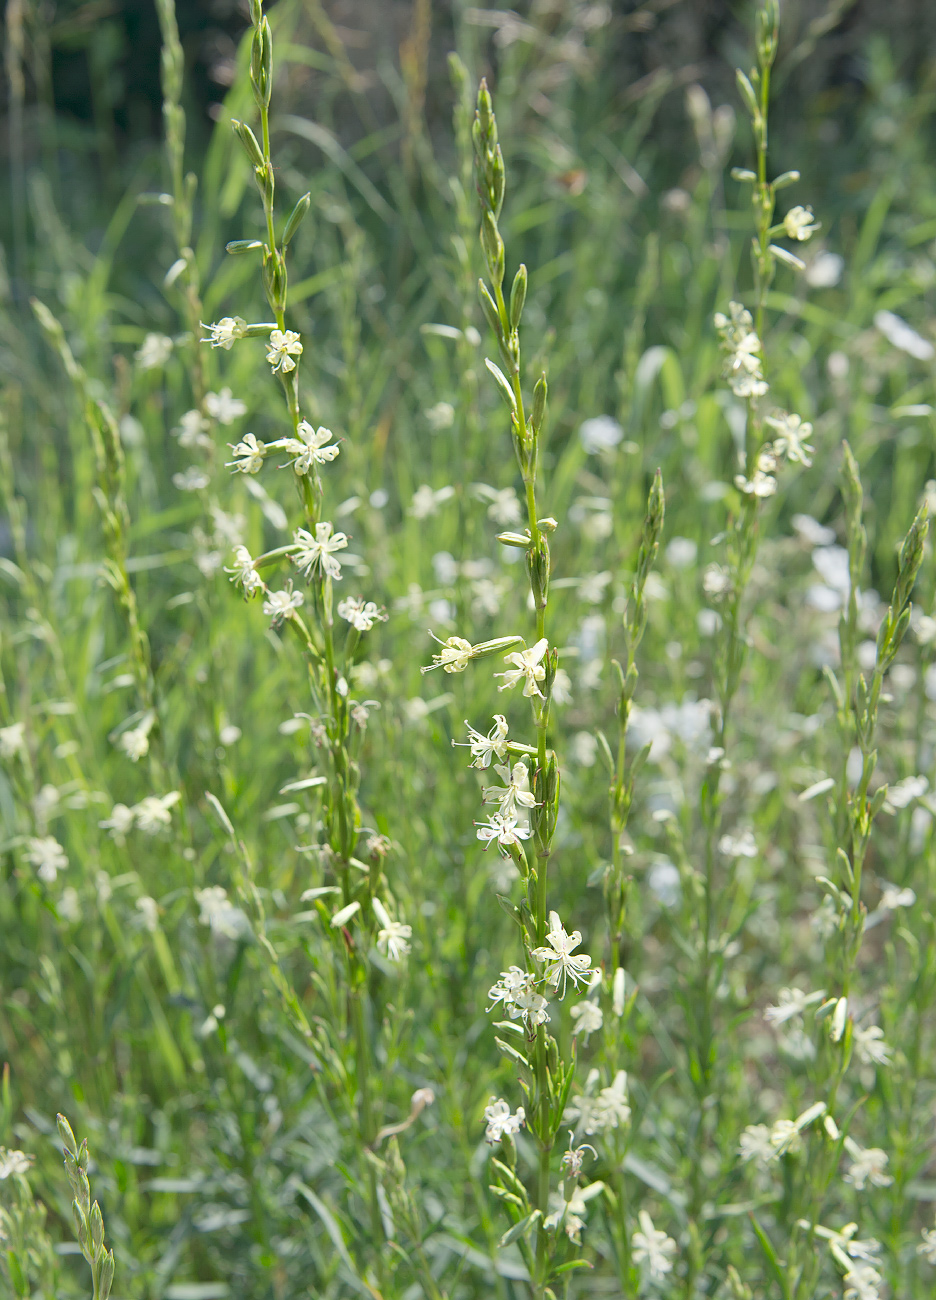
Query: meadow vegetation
468, 675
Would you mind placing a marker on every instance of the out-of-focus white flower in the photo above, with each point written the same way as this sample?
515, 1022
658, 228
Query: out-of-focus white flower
154, 352
219, 913
47, 856
792, 432
902, 793
763, 483
248, 455
742, 350
224, 406
361, 614
902, 336
893, 898
120, 822
588, 1018
600, 433
153, 813
559, 956
825, 270
12, 739
283, 348
527, 667
317, 554
280, 605
193, 479
192, 430
652, 1248
441, 416
500, 1122
742, 845
149, 913
799, 223
13, 1162
426, 500
791, 1002
504, 504
862, 1283
868, 1166
393, 936
870, 1046
755, 1144
225, 332
681, 552
927, 1247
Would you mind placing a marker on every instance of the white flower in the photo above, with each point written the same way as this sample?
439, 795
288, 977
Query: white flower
13, 1162
742, 348
716, 580
455, 656
426, 501
192, 430
588, 1018
515, 990
224, 407
441, 416
763, 484
154, 352
868, 1166
280, 605
755, 1144
12, 739
841, 1243
785, 1137
486, 748
149, 913
284, 345
311, 447
515, 794
528, 668
862, 1283
600, 433
393, 937
927, 1247
561, 964
653, 1248
507, 831
500, 1122
894, 898
219, 913
360, 614
248, 455
243, 574
902, 793
119, 823
738, 846
799, 223
562, 687
193, 479
791, 1002
792, 434
611, 1109
47, 856
135, 743
870, 1046
153, 813
317, 554
504, 507
224, 333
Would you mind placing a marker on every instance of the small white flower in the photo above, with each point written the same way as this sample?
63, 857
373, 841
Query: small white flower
193, 479
47, 856
153, 813
515, 990
248, 455
893, 898
149, 913
763, 484
284, 345
12, 740
507, 831
393, 937
243, 574
224, 406
426, 500
192, 430
743, 845
500, 1122
280, 605
527, 667
225, 332
927, 1247
755, 1144
515, 794
155, 351
504, 504
559, 956
120, 822
742, 349
862, 1283
791, 444
588, 1018
562, 687
219, 913
135, 743
311, 447
361, 614
799, 223
454, 657
13, 1162
868, 1166
484, 749
317, 554
600, 433
441, 416
791, 1002
653, 1248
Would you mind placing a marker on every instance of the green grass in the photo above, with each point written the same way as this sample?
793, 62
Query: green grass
227, 1150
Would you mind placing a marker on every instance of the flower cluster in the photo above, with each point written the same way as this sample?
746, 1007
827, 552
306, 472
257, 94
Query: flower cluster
742, 348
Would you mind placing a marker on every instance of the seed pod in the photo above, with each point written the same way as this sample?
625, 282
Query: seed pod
296, 218
249, 141
540, 394
518, 296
